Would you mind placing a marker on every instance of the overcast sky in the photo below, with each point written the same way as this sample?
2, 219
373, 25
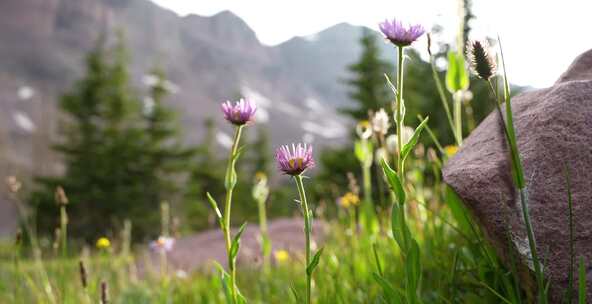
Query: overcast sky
540, 37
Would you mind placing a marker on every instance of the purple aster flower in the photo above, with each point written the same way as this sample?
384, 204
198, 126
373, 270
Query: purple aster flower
163, 244
401, 35
294, 162
240, 113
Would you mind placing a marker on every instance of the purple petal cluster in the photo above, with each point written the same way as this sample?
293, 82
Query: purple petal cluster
399, 34
242, 112
163, 244
296, 160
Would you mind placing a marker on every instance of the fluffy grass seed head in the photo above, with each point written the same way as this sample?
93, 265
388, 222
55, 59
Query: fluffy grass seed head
380, 122
401, 35
242, 112
391, 140
296, 160
60, 196
480, 61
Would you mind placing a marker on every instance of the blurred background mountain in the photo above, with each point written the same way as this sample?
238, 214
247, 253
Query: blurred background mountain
297, 84
126, 58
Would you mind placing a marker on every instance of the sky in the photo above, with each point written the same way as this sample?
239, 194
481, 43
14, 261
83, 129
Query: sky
540, 37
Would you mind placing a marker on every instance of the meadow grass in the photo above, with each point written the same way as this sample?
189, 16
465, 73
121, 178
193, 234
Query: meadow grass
424, 248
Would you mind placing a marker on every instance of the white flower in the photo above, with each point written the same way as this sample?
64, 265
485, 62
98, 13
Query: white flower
380, 122
391, 140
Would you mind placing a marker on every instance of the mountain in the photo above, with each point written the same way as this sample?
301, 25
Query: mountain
297, 84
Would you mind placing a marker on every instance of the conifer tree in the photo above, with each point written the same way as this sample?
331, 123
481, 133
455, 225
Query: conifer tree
166, 158
205, 176
113, 158
368, 89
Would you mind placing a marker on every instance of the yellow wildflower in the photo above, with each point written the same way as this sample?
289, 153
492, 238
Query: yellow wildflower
450, 150
348, 200
281, 256
103, 243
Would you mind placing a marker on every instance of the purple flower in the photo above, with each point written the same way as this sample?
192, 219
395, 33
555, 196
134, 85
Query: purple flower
400, 35
163, 244
294, 162
240, 113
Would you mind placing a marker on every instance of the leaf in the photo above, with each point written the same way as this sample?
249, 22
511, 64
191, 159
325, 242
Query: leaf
230, 178
225, 280
390, 84
391, 294
516, 162
582, 282
236, 242
377, 259
314, 262
459, 211
214, 205
413, 140
295, 293
394, 181
413, 272
457, 78
240, 299
398, 227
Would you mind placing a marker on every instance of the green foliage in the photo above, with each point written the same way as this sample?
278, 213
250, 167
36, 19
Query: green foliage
119, 164
457, 78
367, 89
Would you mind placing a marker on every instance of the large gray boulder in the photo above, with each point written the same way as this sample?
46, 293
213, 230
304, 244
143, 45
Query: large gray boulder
554, 131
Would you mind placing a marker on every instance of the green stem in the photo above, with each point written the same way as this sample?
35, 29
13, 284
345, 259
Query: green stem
400, 117
399, 113
64, 231
368, 205
264, 235
519, 180
230, 175
443, 98
17, 273
458, 118
307, 231
532, 244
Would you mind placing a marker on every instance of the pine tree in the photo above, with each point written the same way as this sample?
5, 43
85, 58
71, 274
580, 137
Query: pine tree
166, 158
206, 176
367, 84
112, 158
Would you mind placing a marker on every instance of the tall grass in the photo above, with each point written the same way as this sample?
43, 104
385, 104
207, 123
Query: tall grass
431, 250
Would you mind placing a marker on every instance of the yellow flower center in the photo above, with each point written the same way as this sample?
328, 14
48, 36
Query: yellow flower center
296, 163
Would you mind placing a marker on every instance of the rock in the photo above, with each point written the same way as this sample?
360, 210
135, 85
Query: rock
199, 251
554, 130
